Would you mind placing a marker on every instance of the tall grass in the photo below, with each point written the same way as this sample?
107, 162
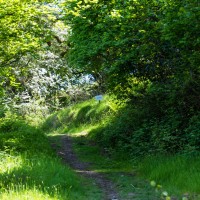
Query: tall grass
177, 174
42, 176
29, 169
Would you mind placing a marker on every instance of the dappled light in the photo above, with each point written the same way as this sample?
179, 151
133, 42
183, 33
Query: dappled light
99, 100
31, 170
27, 177
115, 147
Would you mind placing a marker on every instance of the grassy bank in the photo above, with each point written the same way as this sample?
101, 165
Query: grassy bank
29, 169
82, 117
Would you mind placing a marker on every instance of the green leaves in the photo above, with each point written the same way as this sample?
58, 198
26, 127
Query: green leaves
23, 25
24, 29
151, 39
181, 29
115, 37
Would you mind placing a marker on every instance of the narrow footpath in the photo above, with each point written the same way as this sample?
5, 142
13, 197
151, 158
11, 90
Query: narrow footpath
68, 155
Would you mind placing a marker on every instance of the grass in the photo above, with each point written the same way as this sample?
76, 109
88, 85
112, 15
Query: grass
29, 169
84, 116
41, 177
179, 175
120, 171
21, 176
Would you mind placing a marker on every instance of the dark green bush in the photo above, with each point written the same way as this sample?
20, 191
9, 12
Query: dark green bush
152, 126
192, 133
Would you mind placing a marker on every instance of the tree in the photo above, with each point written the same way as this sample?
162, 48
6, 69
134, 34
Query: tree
26, 27
118, 39
123, 39
180, 28
23, 25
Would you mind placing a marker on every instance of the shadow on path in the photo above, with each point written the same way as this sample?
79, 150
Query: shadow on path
68, 155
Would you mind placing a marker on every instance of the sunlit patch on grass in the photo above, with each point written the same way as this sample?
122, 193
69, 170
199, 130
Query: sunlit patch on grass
25, 194
22, 177
41, 177
9, 162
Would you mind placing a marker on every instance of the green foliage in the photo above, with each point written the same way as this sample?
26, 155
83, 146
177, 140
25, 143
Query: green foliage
181, 29
146, 52
17, 19
147, 128
156, 40
193, 134
131, 44
140, 133
25, 28
150, 126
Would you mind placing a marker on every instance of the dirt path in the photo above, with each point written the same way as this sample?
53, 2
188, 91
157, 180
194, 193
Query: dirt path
69, 156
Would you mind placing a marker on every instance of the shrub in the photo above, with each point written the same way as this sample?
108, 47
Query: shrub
193, 135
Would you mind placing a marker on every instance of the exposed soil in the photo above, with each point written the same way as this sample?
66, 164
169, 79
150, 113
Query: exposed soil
68, 155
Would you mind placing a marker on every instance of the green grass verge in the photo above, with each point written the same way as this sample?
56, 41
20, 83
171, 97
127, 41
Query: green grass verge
120, 171
179, 175
29, 169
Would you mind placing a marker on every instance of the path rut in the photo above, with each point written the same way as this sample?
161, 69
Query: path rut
68, 155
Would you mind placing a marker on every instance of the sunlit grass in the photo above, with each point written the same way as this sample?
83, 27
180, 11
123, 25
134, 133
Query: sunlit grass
25, 194
81, 117
41, 177
19, 178
9, 162
177, 174
29, 169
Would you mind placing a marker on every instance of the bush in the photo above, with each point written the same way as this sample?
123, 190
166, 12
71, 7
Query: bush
193, 135
138, 133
